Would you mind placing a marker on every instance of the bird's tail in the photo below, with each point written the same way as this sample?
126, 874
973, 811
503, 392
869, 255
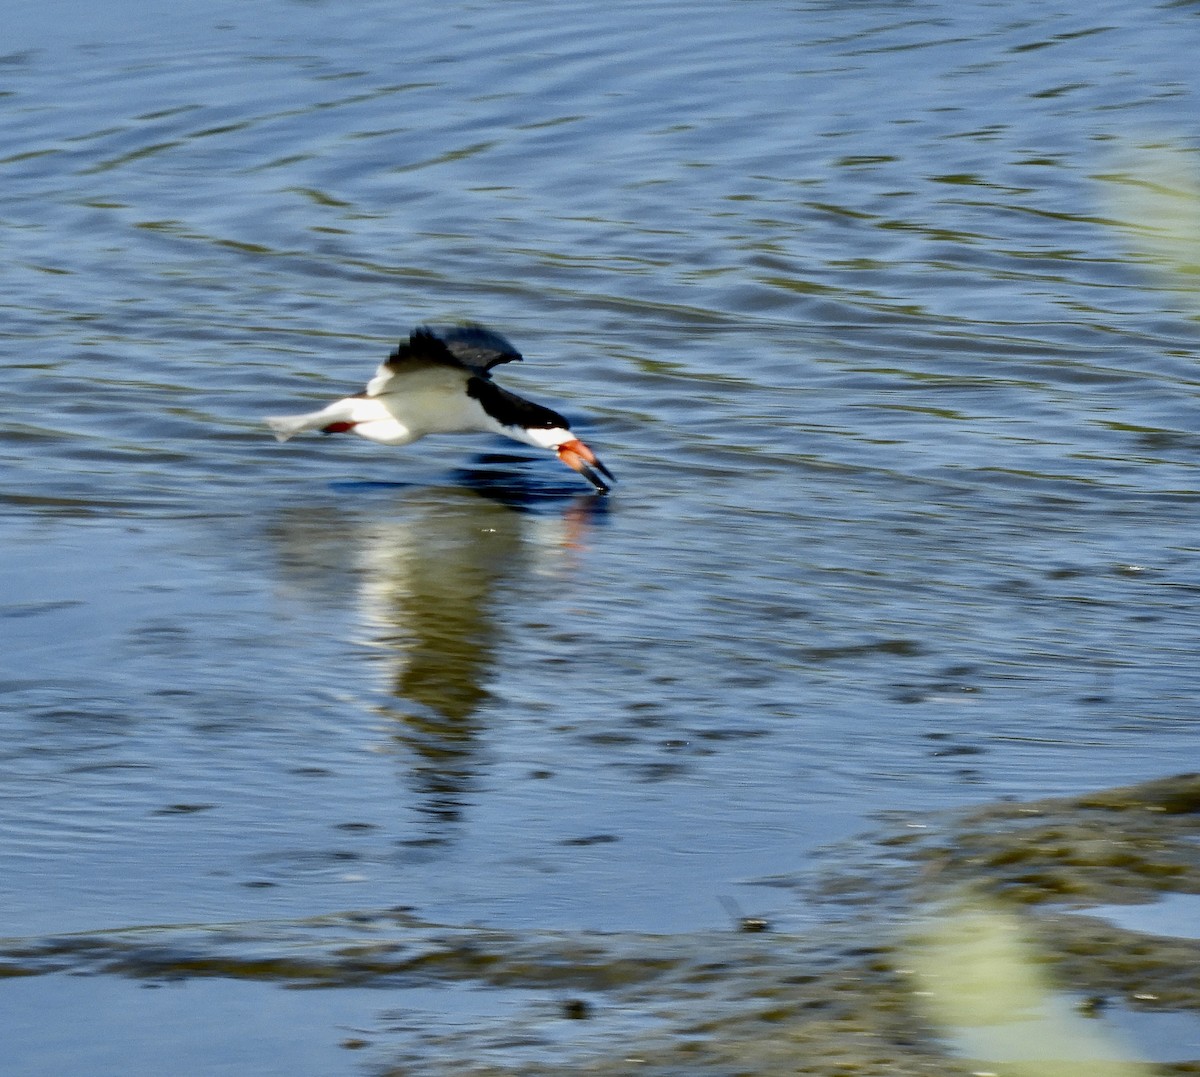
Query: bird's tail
288, 426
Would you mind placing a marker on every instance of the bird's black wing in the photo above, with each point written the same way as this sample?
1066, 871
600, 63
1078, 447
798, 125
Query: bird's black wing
474, 347
471, 347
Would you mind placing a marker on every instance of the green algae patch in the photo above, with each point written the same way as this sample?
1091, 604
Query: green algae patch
1125, 845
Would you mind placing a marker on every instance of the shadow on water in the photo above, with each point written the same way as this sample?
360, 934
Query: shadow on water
506, 478
431, 572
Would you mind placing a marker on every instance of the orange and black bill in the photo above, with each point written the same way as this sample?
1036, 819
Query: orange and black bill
577, 456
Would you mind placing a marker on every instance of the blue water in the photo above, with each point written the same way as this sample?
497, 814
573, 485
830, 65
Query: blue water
884, 315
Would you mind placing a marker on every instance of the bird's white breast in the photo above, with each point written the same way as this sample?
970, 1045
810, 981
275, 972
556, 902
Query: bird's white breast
432, 400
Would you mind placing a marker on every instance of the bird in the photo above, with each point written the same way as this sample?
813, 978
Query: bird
439, 381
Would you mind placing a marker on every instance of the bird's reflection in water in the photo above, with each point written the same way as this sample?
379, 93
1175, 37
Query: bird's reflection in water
432, 573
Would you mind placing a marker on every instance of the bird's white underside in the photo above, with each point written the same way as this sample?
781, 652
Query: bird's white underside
434, 401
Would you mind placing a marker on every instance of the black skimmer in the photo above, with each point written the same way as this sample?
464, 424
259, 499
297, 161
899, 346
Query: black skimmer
439, 381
